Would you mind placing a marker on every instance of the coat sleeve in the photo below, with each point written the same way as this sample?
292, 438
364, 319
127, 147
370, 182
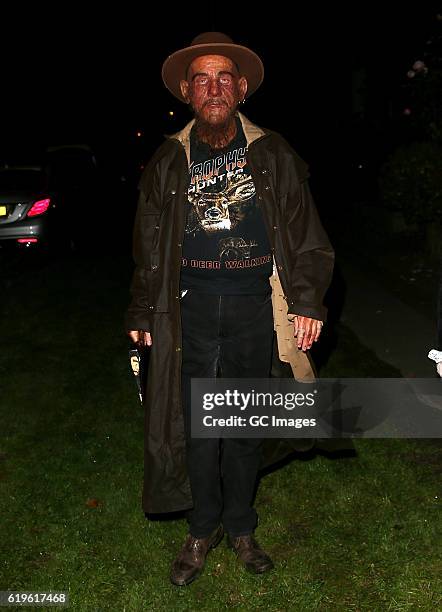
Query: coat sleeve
311, 253
138, 314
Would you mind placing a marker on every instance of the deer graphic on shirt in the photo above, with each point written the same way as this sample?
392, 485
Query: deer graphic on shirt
223, 210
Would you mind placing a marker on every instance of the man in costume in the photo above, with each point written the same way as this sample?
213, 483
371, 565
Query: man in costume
231, 262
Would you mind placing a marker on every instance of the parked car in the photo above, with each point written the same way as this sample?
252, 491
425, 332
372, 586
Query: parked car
26, 206
52, 204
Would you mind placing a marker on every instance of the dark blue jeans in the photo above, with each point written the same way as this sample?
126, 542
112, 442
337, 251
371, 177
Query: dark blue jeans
229, 336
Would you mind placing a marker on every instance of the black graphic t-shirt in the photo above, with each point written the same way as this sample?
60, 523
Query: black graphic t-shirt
226, 248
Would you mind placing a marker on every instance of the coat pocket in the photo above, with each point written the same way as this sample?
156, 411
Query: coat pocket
150, 207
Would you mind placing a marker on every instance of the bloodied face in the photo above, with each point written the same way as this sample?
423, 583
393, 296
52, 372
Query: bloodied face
214, 89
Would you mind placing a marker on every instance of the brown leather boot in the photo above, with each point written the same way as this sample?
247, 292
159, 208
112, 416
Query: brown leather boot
250, 553
190, 560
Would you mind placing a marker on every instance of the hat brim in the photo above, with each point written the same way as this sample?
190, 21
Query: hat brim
249, 64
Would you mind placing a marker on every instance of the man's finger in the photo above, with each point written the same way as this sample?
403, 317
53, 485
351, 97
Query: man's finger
300, 325
318, 330
133, 335
304, 333
315, 330
146, 338
308, 340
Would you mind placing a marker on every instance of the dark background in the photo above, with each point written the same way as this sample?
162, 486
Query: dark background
332, 76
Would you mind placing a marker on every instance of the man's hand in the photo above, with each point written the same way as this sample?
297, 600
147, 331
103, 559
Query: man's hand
307, 330
140, 337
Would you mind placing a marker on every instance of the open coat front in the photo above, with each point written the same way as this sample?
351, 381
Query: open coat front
303, 264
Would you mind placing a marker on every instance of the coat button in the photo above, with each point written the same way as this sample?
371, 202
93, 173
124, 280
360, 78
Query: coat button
267, 187
179, 244
173, 191
157, 227
265, 171
154, 267
150, 307
279, 267
178, 348
275, 227
260, 197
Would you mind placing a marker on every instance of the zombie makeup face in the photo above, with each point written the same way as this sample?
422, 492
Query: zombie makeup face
214, 89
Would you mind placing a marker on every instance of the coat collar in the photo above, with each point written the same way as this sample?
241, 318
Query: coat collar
251, 131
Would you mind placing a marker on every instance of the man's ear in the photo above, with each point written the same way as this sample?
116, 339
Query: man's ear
243, 86
184, 86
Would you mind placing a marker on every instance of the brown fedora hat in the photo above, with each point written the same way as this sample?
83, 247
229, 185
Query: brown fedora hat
212, 43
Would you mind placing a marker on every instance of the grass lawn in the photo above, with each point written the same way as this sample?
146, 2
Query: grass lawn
350, 532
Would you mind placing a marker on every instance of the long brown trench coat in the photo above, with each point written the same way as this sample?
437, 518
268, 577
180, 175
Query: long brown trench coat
303, 264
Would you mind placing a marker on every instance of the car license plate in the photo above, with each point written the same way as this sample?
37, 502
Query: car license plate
2, 211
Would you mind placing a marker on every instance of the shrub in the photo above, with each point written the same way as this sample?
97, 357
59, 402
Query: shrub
411, 182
